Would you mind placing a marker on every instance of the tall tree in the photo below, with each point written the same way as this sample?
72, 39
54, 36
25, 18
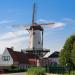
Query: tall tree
73, 54
65, 54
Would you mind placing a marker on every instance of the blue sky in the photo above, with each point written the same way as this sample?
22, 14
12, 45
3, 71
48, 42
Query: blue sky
14, 12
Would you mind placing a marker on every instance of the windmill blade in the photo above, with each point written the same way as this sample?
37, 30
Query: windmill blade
23, 26
47, 24
34, 13
52, 25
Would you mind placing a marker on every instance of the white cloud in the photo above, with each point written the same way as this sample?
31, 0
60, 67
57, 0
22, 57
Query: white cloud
12, 35
42, 21
15, 39
69, 20
58, 25
5, 21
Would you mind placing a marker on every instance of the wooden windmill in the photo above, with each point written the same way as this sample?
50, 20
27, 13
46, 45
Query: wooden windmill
36, 35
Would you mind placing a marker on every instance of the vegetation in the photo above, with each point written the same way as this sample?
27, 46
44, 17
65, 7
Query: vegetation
73, 54
36, 71
67, 54
67, 73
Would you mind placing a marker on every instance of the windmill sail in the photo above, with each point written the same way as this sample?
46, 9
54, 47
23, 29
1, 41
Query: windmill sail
33, 14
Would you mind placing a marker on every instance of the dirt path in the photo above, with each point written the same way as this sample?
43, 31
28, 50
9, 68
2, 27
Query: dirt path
15, 74
50, 74
24, 74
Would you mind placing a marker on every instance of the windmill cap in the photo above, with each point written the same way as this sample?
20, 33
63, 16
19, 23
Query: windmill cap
36, 27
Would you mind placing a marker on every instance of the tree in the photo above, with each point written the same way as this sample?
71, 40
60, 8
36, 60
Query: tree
73, 54
62, 57
66, 53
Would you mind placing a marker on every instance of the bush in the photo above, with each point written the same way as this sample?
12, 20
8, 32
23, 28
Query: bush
36, 71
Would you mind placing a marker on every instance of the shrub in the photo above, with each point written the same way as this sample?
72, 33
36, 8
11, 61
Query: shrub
36, 71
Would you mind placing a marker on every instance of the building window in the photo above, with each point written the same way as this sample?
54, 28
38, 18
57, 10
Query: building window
38, 42
6, 58
33, 47
33, 33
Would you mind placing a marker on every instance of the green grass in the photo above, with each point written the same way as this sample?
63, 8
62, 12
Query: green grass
71, 73
36, 71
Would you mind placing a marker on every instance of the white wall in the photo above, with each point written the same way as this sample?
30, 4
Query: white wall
0, 59
6, 63
34, 39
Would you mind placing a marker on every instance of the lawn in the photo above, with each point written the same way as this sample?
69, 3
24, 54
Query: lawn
71, 73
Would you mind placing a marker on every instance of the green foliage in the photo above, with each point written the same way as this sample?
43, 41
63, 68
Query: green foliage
36, 71
62, 57
73, 54
67, 54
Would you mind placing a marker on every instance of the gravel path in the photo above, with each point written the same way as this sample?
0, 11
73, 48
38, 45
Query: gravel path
50, 74
23, 74
15, 74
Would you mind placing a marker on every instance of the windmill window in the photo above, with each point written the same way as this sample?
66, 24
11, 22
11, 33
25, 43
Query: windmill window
38, 42
33, 47
33, 33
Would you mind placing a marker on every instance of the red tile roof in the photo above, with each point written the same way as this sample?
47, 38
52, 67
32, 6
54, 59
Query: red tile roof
21, 57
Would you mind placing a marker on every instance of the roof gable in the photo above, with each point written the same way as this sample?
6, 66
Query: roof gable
54, 55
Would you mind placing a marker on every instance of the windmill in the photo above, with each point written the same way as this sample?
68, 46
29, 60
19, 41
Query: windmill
36, 35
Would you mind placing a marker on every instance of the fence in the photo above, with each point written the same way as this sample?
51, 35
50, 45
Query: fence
60, 70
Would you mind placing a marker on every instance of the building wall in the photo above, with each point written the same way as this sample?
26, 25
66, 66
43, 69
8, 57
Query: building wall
54, 60
8, 62
35, 39
23, 66
44, 62
48, 61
